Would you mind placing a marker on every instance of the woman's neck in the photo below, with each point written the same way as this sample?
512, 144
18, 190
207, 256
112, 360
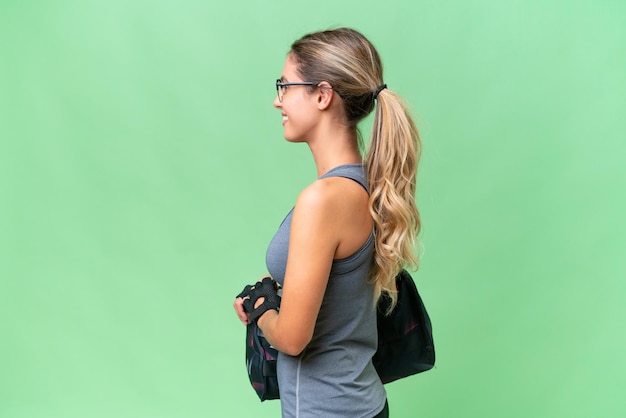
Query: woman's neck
334, 149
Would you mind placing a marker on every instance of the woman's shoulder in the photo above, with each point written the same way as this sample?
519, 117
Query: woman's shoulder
319, 194
336, 208
330, 192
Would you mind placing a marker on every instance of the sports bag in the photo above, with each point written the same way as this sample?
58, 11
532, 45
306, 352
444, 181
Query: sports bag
261, 363
405, 343
405, 337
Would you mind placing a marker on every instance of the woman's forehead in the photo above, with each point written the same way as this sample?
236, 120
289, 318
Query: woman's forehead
290, 69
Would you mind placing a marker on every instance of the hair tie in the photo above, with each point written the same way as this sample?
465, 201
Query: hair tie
378, 90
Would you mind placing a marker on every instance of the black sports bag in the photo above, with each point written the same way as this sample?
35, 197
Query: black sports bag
405, 337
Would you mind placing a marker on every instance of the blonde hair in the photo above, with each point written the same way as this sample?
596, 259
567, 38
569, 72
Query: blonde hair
350, 63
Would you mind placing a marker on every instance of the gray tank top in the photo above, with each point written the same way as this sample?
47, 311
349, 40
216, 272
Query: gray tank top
334, 375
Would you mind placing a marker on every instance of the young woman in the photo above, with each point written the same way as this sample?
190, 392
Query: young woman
349, 233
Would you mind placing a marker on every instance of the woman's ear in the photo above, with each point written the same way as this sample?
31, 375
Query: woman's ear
324, 95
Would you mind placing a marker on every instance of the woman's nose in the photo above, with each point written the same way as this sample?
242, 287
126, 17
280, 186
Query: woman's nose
277, 103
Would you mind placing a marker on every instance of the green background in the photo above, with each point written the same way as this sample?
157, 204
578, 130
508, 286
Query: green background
143, 171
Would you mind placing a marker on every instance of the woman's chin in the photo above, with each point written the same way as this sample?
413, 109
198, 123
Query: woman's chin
293, 139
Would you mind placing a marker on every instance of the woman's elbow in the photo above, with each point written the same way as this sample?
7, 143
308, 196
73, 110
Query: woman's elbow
293, 350
294, 346
287, 337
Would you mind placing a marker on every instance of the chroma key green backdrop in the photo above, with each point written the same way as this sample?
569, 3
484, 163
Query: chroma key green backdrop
143, 171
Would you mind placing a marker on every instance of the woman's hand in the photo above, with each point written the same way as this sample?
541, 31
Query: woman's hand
243, 316
239, 302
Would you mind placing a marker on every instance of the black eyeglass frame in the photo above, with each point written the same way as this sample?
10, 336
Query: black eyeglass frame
280, 85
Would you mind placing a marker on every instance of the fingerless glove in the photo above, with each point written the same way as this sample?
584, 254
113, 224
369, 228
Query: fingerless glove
267, 289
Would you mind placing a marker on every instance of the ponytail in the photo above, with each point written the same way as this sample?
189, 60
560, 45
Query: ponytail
391, 166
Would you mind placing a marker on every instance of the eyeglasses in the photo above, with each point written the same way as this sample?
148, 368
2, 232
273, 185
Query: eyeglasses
281, 87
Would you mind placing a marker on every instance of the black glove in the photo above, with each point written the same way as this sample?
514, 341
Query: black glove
266, 288
245, 292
